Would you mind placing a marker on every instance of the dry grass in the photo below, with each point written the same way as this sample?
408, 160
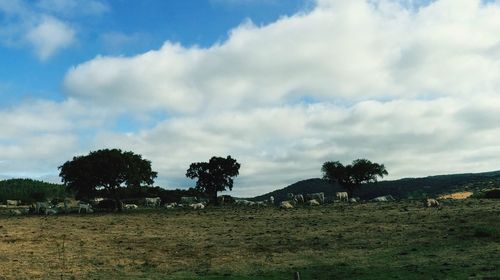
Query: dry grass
456, 195
334, 241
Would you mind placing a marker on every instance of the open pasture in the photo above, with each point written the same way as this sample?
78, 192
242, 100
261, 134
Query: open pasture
338, 241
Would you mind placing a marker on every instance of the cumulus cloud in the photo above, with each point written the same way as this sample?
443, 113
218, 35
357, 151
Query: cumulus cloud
49, 36
412, 86
341, 50
47, 26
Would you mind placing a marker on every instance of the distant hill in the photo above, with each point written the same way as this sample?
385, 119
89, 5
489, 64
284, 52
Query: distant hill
407, 188
29, 190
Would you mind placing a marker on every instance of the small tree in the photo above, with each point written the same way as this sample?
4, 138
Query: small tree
214, 176
353, 175
106, 170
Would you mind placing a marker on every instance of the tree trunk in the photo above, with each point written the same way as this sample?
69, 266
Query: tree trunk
213, 198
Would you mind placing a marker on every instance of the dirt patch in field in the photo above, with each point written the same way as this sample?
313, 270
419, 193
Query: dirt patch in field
457, 195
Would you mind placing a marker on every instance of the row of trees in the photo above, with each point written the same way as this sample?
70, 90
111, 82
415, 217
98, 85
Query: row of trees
110, 171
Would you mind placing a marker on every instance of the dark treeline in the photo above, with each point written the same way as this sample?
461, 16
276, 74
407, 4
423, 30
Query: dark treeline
28, 191
408, 188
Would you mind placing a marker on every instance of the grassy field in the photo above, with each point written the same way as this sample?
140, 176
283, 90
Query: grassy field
362, 241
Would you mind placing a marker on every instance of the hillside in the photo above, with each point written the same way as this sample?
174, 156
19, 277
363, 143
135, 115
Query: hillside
407, 188
29, 190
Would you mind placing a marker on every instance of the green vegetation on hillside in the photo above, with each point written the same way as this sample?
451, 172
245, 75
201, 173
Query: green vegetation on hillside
29, 190
407, 188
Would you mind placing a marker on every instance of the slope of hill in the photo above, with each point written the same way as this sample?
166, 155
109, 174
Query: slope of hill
407, 188
29, 190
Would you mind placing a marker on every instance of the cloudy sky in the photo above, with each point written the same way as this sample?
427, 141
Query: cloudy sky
282, 86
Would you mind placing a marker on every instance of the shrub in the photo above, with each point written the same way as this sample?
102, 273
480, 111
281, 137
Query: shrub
492, 194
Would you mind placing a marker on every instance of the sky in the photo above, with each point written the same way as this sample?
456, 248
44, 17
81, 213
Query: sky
281, 85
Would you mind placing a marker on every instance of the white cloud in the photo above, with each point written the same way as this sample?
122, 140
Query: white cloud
341, 50
416, 88
49, 36
41, 26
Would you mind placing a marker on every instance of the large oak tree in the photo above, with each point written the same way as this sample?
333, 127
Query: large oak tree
214, 176
351, 176
108, 170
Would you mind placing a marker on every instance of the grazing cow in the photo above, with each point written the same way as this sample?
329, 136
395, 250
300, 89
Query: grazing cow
40, 207
312, 202
298, 199
130, 206
320, 197
384, 198
197, 206
153, 201
84, 206
244, 202
286, 205
95, 201
353, 200
225, 199
342, 196
70, 204
271, 200
189, 200
15, 212
13, 202
431, 202
260, 203
170, 205
51, 211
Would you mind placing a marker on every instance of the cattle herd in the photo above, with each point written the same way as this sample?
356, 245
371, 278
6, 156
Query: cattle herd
71, 205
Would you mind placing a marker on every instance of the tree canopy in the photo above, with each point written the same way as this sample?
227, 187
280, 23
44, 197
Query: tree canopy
214, 176
353, 175
108, 170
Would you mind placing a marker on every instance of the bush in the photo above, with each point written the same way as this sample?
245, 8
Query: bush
487, 231
492, 194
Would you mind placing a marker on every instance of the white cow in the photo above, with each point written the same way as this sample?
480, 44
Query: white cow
342, 196
153, 201
70, 204
15, 212
197, 206
286, 205
384, 198
320, 197
95, 201
84, 206
130, 206
431, 202
244, 202
51, 211
312, 202
13, 202
39, 206
170, 205
271, 200
298, 199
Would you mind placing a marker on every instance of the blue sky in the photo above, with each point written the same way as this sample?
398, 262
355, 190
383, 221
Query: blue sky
282, 86
121, 28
